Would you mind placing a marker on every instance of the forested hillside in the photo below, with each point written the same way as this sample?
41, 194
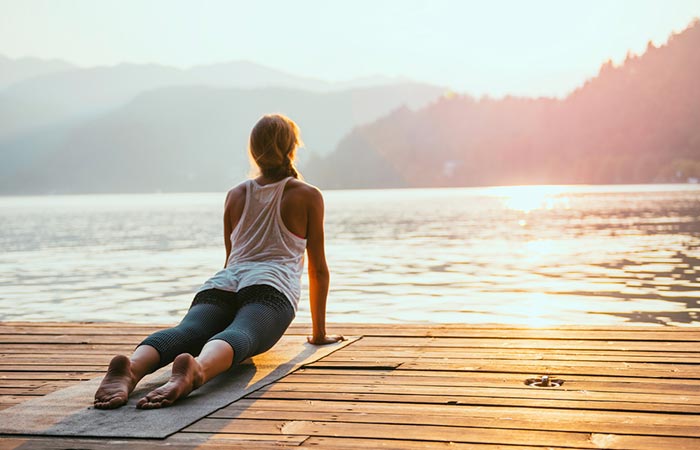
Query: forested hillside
638, 122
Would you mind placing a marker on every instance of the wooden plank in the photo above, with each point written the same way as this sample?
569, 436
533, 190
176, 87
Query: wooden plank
69, 368
570, 355
55, 358
24, 391
620, 333
471, 400
519, 391
28, 384
39, 375
376, 327
447, 434
529, 367
233, 438
657, 346
486, 379
53, 349
563, 355
494, 411
78, 330
106, 324
49, 345
21, 383
569, 367
69, 339
485, 375
510, 355
372, 364
346, 443
531, 419
457, 351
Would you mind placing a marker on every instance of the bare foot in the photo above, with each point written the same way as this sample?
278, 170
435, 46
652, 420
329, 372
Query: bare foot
116, 385
186, 377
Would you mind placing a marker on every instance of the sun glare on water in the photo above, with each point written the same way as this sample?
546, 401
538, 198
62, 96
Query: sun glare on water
530, 198
535, 308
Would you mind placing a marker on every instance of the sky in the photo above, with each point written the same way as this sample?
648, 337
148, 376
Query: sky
479, 47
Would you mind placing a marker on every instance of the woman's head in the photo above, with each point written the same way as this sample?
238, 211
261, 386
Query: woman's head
273, 144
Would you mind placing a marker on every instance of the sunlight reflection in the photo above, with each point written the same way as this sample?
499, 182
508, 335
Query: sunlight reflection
544, 249
535, 310
529, 198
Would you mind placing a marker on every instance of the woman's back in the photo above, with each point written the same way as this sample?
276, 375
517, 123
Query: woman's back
260, 233
296, 199
263, 227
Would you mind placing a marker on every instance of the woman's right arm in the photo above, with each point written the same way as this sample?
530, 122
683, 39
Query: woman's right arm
233, 209
228, 205
319, 275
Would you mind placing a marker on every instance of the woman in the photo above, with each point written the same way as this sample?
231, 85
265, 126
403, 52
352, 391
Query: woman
245, 308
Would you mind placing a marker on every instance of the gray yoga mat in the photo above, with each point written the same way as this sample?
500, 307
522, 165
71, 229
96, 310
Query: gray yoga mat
69, 411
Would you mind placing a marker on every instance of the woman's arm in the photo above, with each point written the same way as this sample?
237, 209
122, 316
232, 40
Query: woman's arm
227, 224
319, 275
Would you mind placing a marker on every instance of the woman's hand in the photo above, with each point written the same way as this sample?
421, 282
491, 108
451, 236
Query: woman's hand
325, 340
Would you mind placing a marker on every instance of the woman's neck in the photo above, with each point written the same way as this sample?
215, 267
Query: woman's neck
262, 180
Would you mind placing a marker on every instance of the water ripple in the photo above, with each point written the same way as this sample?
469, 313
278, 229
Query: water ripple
538, 255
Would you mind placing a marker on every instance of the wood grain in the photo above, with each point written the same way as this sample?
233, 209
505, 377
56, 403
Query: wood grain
446, 386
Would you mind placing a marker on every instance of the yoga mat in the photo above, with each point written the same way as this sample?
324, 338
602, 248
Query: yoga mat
69, 411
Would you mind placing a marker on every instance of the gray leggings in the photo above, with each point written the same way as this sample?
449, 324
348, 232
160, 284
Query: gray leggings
251, 320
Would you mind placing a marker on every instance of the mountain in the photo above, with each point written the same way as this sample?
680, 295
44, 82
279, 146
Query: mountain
186, 138
64, 113
14, 70
81, 93
77, 94
634, 123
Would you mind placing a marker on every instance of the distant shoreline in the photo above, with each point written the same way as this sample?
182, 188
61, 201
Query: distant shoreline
621, 187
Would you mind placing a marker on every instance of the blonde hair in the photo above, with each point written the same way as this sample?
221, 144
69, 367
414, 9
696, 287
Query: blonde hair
273, 144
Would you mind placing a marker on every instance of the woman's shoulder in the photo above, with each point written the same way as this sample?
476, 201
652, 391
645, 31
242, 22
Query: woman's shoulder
240, 187
303, 189
236, 193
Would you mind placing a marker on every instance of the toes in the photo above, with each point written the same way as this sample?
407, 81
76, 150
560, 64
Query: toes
147, 404
150, 402
143, 403
116, 402
111, 402
154, 400
105, 397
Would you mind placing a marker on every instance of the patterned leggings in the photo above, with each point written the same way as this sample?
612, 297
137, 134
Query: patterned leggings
251, 320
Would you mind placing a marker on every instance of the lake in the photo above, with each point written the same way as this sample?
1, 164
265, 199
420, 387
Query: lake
535, 255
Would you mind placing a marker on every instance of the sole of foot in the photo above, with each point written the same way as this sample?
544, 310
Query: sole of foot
186, 377
117, 384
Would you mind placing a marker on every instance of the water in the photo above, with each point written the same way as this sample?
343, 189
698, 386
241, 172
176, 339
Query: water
539, 255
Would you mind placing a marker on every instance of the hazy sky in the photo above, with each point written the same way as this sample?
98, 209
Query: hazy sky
526, 47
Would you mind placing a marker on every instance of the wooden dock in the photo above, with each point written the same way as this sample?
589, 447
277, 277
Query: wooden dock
409, 387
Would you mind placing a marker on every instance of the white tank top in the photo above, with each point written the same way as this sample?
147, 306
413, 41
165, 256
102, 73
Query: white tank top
263, 250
